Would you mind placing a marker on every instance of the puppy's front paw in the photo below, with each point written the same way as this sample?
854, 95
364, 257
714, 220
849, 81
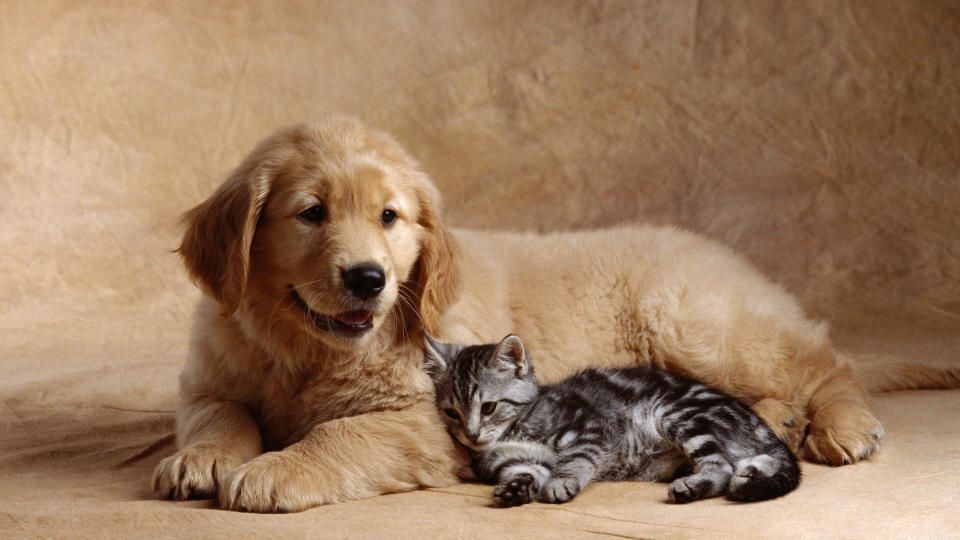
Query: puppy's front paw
516, 491
195, 472
271, 482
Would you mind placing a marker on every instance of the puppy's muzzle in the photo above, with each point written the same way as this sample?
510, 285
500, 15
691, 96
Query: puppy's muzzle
364, 280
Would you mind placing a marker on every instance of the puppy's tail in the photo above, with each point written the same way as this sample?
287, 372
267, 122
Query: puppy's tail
885, 373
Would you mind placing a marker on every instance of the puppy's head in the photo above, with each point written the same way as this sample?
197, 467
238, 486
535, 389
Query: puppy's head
328, 230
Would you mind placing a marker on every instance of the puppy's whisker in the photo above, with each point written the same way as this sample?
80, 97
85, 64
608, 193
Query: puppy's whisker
399, 313
308, 283
406, 299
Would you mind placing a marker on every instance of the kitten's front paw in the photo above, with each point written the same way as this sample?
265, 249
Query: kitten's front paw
518, 490
688, 489
195, 472
560, 490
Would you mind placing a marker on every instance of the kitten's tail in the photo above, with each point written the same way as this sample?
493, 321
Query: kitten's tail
765, 476
884, 373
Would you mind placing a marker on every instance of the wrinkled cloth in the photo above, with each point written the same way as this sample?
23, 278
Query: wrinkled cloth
819, 139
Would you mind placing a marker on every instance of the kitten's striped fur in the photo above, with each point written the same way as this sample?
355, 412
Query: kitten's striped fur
548, 443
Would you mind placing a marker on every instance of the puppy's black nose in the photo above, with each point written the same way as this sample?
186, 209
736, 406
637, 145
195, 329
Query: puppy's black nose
364, 280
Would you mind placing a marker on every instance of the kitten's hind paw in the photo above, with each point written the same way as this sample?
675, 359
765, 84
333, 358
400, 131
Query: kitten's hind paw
763, 477
688, 489
518, 490
560, 490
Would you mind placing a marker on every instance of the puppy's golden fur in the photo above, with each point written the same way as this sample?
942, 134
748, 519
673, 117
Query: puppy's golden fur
344, 415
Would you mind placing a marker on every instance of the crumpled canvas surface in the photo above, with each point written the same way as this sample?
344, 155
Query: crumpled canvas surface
820, 139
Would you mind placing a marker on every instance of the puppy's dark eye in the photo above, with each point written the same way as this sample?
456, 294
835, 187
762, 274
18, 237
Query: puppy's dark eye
488, 407
452, 413
388, 217
314, 214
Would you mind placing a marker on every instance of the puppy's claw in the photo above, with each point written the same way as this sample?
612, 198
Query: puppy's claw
191, 473
844, 436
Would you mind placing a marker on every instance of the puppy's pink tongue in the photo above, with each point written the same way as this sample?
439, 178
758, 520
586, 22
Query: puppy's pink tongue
353, 317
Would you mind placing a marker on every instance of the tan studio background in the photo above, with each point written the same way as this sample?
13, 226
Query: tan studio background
819, 138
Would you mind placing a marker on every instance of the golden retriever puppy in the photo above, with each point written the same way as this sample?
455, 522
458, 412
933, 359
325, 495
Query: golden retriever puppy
323, 259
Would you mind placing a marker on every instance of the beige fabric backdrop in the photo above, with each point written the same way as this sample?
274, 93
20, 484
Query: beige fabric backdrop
821, 139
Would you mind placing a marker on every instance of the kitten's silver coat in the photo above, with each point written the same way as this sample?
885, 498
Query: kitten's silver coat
548, 443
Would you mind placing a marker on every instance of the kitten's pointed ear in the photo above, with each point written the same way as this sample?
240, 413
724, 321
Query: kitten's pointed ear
511, 355
435, 356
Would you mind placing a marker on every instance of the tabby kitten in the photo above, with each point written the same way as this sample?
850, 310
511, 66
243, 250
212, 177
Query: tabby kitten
546, 443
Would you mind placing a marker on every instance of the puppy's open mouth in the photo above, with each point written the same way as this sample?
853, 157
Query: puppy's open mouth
349, 323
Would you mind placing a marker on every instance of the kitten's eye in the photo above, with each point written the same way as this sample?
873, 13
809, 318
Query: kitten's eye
488, 407
388, 217
452, 413
314, 214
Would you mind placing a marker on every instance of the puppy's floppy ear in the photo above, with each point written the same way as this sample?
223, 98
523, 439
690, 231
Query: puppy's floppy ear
219, 232
438, 276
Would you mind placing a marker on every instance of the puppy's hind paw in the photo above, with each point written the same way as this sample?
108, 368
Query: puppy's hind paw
788, 424
843, 435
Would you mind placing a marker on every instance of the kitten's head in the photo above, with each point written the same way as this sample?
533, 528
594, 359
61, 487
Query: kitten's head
481, 389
